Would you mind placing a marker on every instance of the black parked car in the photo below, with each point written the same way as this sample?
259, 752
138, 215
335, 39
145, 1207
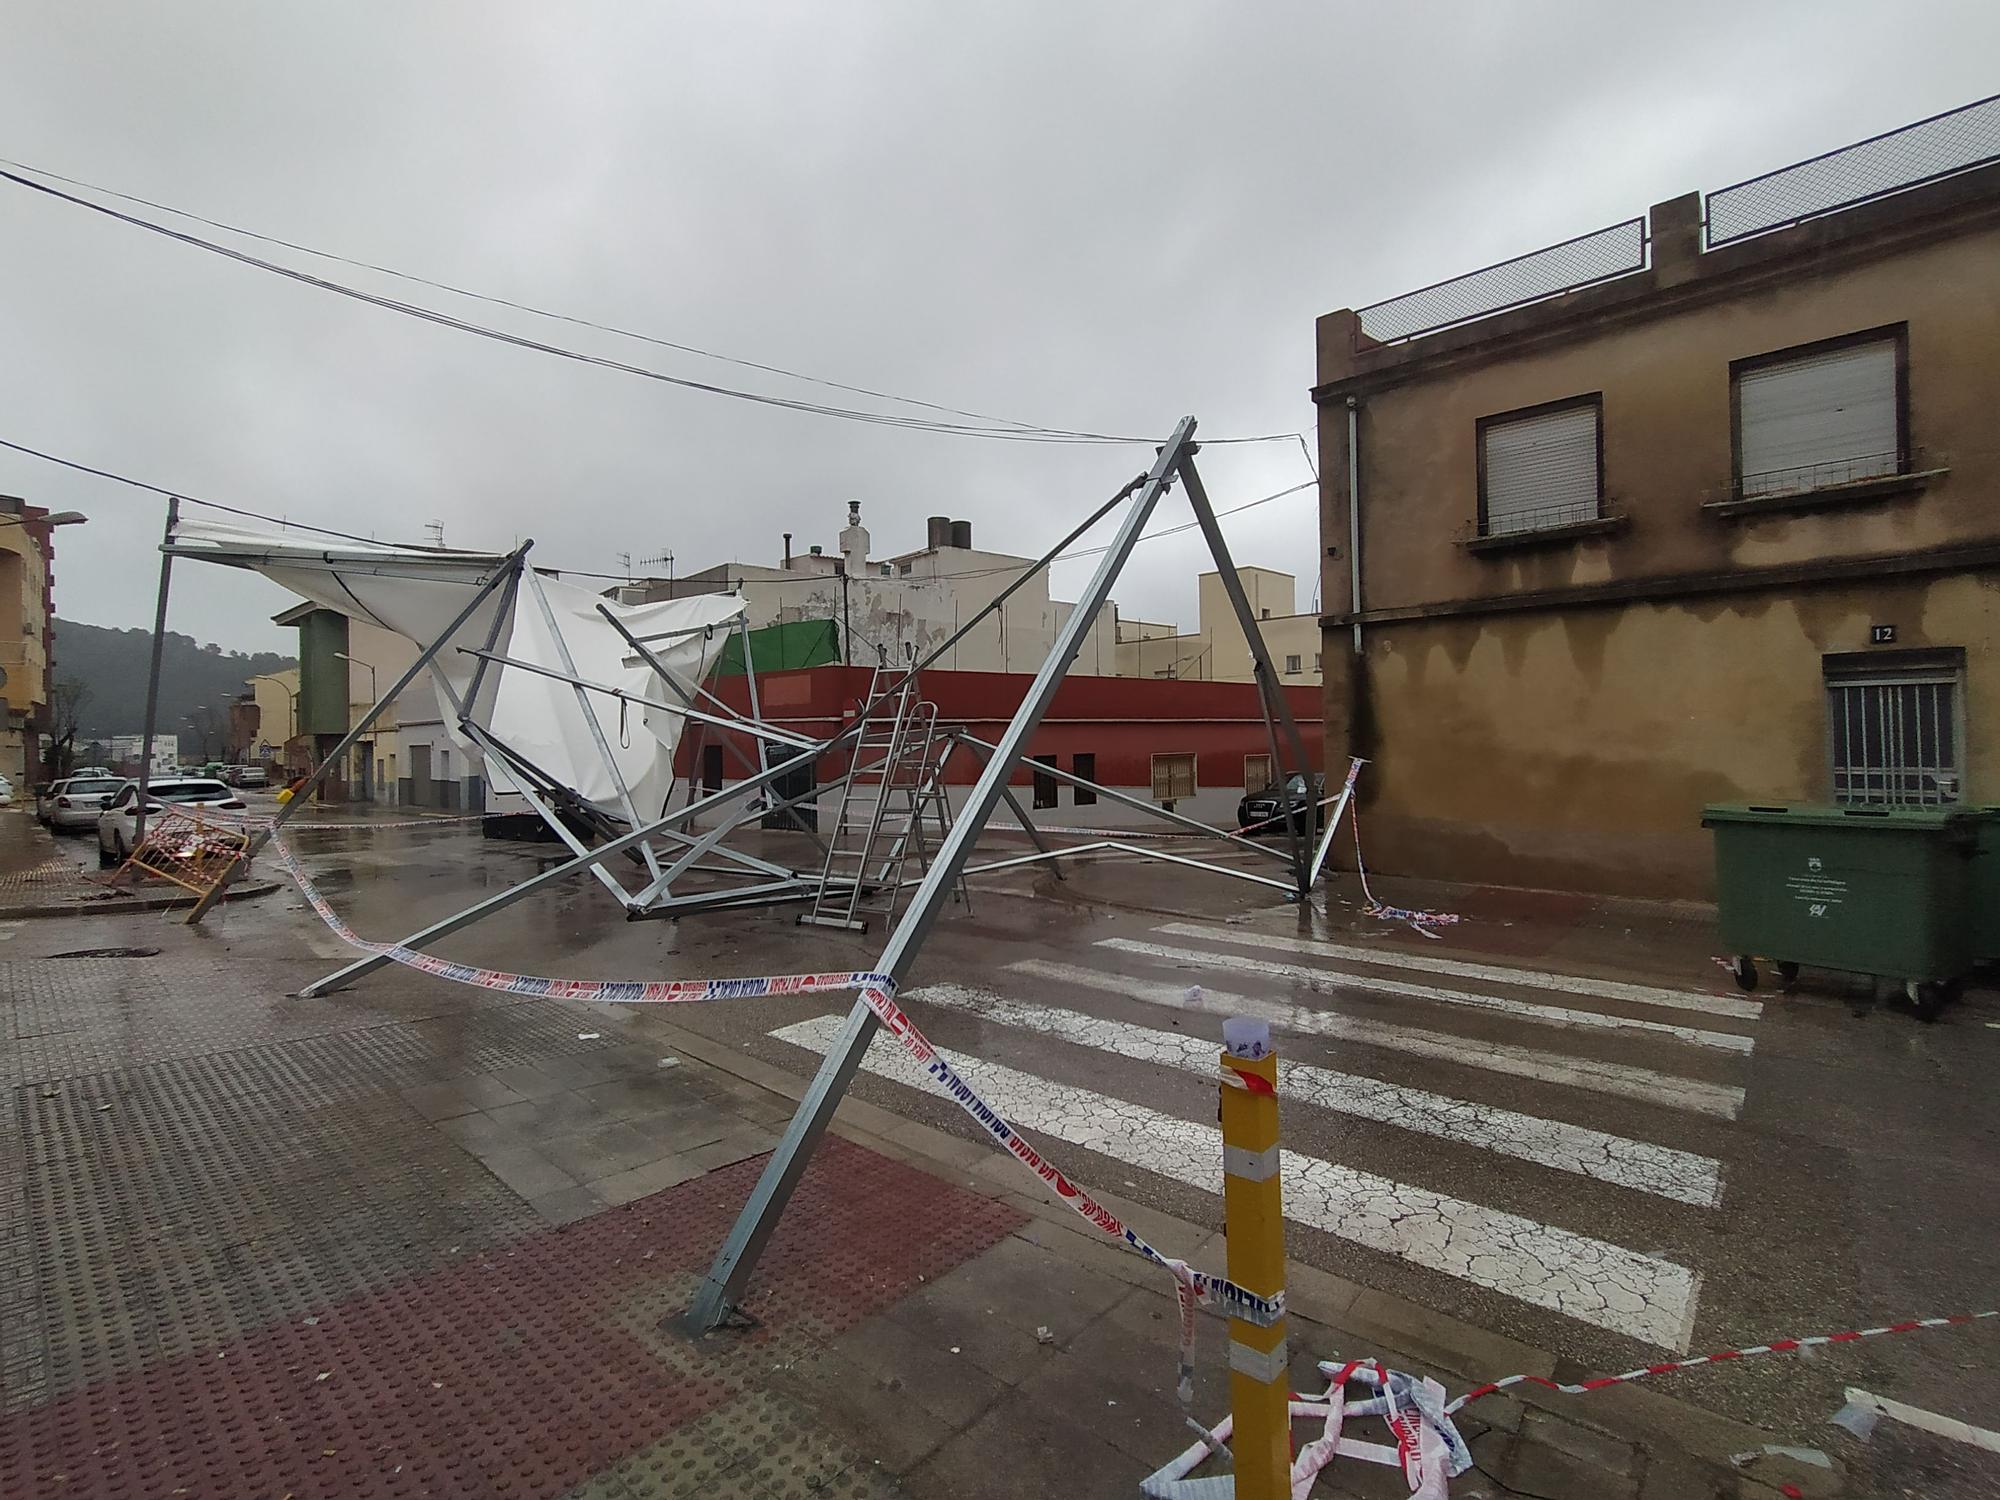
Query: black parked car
1266, 809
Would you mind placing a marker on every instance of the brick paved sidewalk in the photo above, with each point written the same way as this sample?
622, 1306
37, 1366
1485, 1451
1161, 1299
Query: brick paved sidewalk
43, 877
419, 1239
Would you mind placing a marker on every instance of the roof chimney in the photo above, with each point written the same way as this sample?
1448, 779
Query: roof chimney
854, 540
788, 552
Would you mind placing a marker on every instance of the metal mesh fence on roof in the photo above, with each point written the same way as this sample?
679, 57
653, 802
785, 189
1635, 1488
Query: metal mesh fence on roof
1617, 250
1904, 158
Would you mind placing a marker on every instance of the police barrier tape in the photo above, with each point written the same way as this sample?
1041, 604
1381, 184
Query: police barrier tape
261, 820
1419, 920
1725, 1356
878, 990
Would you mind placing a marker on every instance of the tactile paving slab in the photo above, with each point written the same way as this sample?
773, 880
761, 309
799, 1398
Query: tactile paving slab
522, 1368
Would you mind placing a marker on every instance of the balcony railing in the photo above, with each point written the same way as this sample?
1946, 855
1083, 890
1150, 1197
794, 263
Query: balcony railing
1956, 141
1615, 250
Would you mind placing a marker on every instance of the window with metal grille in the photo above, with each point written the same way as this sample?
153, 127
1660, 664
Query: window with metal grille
1045, 784
1894, 727
1820, 415
1256, 774
1173, 777
1291, 664
1541, 467
1085, 765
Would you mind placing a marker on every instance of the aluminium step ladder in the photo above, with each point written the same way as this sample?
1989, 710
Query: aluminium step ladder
893, 797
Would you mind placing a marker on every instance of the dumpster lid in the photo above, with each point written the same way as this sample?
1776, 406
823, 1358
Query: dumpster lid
1830, 815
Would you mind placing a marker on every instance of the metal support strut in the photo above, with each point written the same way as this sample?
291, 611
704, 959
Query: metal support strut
723, 1289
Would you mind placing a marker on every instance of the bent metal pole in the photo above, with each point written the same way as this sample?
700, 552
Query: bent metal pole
723, 1288
505, 577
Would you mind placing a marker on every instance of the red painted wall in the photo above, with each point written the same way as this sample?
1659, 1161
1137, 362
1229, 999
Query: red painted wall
1123, 721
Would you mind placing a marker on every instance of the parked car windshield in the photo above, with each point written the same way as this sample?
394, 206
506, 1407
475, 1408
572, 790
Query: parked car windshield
191, 791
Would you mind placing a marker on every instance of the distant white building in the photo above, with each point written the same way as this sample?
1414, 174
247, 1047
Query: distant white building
898, 608
1216, 650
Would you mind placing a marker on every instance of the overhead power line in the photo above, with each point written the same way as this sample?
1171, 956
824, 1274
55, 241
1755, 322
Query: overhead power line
348, 536
1007, 429
496, 301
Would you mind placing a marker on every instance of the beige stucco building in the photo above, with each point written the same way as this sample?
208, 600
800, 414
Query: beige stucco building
27, 627
1216, 650
891, 609
1721, 528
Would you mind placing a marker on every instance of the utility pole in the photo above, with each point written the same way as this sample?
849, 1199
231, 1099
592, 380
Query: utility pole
153, 672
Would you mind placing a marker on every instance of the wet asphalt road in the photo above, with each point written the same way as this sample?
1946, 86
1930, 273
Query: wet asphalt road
1520, 1156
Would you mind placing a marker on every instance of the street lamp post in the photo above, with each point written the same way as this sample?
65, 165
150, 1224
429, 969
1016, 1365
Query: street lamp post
367, 791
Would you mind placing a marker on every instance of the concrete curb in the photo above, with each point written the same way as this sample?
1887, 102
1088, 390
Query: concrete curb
121, 906
1454, 1346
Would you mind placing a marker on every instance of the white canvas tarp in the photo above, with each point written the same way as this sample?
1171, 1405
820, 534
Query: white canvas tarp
416, 592
539, 717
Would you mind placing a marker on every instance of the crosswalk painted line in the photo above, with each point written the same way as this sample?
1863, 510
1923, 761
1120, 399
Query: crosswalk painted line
1609, 989
1545, 1015
1718, 1099
1598, 1283
1639, 1165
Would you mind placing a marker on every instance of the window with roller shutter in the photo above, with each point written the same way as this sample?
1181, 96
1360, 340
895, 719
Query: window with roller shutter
1541, 467
1820, 415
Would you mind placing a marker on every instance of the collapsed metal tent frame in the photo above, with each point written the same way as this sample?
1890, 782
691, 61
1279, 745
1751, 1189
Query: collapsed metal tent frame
669, 846
722, 1290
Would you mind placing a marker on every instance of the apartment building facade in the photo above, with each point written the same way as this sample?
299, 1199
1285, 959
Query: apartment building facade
1216, 650
27, 637
1716, 522
890, 610
408, 756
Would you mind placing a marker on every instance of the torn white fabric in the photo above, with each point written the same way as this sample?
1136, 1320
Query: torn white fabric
416, 593
540, 718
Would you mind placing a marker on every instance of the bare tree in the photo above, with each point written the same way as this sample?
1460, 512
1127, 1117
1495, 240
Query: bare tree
66, 700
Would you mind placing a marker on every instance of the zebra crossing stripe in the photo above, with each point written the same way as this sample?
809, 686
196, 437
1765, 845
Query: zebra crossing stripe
1546, 1015
1718, 1099
1596, 1154
1390, 958
1555, 1269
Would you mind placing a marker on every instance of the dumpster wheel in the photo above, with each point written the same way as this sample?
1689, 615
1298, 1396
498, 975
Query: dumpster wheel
1788, 973
1744, 971
1928, 996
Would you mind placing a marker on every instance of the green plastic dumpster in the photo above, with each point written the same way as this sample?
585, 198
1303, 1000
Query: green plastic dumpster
1868, 890
1982, 902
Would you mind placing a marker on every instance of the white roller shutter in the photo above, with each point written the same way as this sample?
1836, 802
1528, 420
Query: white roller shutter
1541, 471
1818, 420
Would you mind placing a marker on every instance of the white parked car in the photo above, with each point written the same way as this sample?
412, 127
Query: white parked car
117, 824
6, 791
75, 801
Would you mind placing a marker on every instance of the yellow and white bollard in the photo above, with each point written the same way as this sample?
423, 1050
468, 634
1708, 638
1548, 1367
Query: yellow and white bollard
1254, 1221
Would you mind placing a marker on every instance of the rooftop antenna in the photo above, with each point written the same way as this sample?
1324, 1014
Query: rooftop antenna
436, 530
654, 562
625, 566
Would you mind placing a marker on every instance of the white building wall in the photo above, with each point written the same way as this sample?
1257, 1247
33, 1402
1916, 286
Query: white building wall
894, 614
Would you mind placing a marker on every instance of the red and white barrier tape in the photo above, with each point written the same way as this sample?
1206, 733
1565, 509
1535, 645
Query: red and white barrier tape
1725, 1356
1112, 831
260, 820
610, 991
878, 990
1417, 919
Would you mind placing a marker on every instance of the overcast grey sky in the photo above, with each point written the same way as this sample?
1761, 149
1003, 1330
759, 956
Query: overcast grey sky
1098, 216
